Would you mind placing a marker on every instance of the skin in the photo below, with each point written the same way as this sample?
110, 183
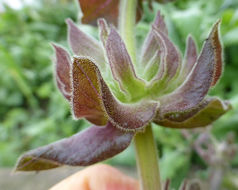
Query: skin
95, 177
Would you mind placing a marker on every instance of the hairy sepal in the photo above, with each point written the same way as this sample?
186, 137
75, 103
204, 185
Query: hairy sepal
169, 68
62, 71
197, 84
190, 59
150, 46
128, 117
186, 67
122, 67
201, 116
84, 45
151, 69
172, 58
218, 55
86, 98
90, 146
103, 31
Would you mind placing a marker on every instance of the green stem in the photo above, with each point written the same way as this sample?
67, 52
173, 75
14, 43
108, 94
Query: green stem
127, 20
146, 154
147, 160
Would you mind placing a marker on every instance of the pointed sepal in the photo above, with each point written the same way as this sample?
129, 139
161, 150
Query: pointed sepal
84, 45
121, 65
150, 47
103, 30
190, 59
217, 48
62, 71
172, 59
196, 86
95, 96
86, 99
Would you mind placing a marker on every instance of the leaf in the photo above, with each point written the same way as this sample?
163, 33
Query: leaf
154, 66
160, 24
190, 58
62, 68
94, 9
85, 148
103, 30
121, 65
84, 45
204, 114
128, 117
150, 46
172, 59
218, 56
86, 99
107, 9
160, 59
169, 68
186, 67
196, 86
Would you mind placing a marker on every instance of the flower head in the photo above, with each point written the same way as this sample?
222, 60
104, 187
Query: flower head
120, 97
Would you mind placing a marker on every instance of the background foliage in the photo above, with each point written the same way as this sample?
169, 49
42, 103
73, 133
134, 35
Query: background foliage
33, 112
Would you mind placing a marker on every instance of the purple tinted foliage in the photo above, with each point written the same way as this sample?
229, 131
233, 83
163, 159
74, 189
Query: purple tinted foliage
85, 148
173, 96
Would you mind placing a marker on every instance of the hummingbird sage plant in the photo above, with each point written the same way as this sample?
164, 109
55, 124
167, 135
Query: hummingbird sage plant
121, 93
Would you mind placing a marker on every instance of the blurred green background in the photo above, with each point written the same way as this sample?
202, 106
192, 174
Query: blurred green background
34, 113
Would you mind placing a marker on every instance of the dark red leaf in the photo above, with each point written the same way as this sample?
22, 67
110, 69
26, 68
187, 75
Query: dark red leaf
218, 57
129, 117
85, 148
84, 45
204, 114
107, 9
86, 100
62, 68
196, 86
150, 46
121, 65
190, 58
125, 116
94, 9
103, 30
